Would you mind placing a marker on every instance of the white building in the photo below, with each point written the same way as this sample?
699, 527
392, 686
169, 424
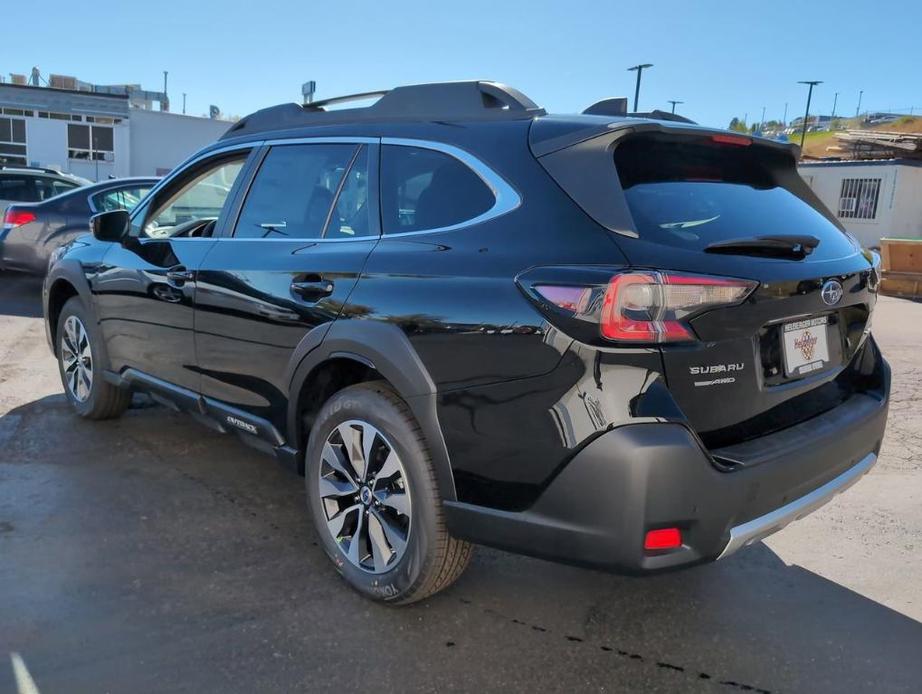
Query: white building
872, 199
96, 135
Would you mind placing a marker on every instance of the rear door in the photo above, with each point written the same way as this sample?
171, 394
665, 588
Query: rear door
303, 232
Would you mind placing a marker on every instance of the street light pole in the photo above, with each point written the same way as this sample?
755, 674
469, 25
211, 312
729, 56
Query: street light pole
811, 84
639, 70
858, 110
762, 122
784, 120
674, 103
835, 100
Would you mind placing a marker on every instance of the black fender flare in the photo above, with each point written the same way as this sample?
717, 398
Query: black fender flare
386, 348
69, 272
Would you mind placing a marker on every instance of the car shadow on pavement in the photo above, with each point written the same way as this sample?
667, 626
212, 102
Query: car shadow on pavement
21, 295
148, 553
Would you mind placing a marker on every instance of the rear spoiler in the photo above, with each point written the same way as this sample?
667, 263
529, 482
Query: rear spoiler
545, 139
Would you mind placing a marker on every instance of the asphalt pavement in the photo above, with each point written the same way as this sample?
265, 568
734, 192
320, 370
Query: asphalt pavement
150, 554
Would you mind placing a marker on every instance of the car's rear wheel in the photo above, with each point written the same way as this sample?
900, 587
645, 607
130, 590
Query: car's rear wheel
81, 361
373, 498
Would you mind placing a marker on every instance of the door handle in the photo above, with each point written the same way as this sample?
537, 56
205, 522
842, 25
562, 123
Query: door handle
312, 290
179, 275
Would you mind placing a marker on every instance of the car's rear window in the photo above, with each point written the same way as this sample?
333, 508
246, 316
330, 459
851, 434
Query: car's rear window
691, 194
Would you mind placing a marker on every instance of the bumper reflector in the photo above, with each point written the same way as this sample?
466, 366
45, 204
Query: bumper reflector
662, 538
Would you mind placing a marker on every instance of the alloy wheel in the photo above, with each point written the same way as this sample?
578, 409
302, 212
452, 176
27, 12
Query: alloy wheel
365, 496
77, 359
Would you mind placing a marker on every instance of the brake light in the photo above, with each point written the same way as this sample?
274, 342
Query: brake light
652, 306
738, 140
662, 538
16, 218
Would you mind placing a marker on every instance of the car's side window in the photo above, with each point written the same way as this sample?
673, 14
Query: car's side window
292, 193
17, 188
424, 189
48, 187
120, 199
188, 206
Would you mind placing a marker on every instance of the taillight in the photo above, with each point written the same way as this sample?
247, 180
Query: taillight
650, 306
738, 140
663, 538
16, 218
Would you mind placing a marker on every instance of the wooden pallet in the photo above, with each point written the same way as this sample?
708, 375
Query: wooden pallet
901, 267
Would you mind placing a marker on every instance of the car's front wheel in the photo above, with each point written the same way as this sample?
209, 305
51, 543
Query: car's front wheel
81, 360
373, 497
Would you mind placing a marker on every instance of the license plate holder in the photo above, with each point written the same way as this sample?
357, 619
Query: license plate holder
805, 345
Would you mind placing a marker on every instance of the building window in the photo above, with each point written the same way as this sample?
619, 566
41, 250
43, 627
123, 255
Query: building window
12, 141
59, 116
90, 142
858, 199
17, 112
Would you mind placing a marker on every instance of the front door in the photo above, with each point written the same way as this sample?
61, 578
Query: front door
300, 241
145, 291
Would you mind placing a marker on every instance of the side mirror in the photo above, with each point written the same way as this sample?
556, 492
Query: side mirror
110, 226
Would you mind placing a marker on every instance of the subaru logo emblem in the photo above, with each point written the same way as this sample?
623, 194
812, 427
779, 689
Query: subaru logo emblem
832, 292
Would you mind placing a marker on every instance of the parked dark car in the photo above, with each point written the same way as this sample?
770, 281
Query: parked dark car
32, 231
610, 340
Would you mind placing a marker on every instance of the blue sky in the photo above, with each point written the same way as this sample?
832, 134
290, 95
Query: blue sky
722, 59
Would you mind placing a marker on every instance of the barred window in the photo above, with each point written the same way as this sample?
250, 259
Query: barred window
858, 199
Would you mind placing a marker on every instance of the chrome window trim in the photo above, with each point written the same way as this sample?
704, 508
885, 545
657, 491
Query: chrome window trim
506, 199
344, 140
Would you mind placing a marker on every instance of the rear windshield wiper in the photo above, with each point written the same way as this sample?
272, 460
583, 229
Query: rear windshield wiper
782, 246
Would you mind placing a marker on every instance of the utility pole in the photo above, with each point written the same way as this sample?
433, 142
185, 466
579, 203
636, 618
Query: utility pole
835, 100
858, 110
811, 84
165, 95
639, 70
784, 121
674, 103
762, 122
184, 103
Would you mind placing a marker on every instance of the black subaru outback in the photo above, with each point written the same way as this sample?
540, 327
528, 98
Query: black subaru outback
610, 339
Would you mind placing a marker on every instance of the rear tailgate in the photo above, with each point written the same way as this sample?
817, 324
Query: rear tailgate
672, 195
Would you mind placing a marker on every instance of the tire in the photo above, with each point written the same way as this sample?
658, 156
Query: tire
379, 422
92, 398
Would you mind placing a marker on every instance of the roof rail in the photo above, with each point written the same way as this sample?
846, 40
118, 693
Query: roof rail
450, 101
361, 96
23, 167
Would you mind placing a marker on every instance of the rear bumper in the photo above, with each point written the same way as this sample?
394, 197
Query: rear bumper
643, 476
20, 254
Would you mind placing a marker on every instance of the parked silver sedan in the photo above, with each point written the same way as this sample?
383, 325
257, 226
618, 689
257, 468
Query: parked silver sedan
32, 231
